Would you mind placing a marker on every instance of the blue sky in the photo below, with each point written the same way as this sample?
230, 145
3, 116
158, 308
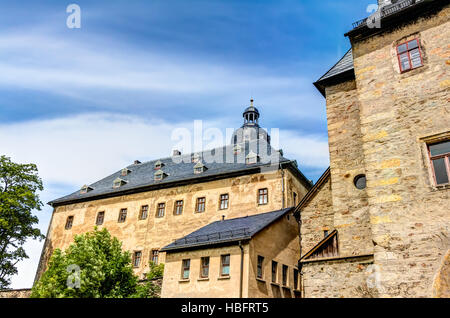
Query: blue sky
83, 103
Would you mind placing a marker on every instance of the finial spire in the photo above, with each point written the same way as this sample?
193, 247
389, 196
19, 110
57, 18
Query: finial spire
251, 101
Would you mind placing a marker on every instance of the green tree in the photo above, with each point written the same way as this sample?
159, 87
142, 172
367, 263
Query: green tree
150, 288
93, 267
19, 184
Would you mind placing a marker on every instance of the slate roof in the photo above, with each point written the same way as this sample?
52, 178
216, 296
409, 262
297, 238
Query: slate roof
141, 177
343, 67
226, 231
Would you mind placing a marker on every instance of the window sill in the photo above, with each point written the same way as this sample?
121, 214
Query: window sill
286, 287
223, 277
275, 284
260, 280
263, 204
184, 280
440, 187
202, 279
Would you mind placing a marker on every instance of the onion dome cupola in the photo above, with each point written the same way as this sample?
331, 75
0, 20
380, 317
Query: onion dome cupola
250, 130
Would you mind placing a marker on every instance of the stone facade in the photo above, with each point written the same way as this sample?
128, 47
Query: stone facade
379, 125
15, 293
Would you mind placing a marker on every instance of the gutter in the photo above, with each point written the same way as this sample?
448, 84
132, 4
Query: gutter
241, 275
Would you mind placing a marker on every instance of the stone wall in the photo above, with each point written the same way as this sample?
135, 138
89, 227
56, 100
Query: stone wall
155, 233
339, 278
15, 293
278, 242
399, 113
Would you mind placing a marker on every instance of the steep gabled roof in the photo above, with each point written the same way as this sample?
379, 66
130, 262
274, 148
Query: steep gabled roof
312, 192
342, 69
226, 231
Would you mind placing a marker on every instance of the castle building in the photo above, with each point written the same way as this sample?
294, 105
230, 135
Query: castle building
150, 205
376, 224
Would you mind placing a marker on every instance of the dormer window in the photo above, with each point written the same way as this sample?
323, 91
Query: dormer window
158, 165
251, 158
159, 175
118, 183
85, 189
237, 149
199, 167
125, 171
195, 157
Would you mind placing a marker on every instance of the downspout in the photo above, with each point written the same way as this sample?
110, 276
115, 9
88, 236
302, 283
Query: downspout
241, 278
282, 187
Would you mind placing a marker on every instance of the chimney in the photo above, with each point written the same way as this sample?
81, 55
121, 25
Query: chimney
176, 152
136, 162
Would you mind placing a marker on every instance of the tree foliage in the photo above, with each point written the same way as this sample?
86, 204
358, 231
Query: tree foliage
150, 288
19, 184
96, 261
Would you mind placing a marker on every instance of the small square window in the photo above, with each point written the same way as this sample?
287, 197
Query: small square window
185, 268
284, 274
274, 271
144, 212
223, 201
263, 196
260, 268
154, 256
178, 207
137, 258
204, 270
69, 222
100, 218
122, 215
225, 265
200, 206
439, 154
161, 210
409, 55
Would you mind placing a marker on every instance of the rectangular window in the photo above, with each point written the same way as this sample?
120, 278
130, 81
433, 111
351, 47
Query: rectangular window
178, 207
185, 268
144, 212
409, 55
260, 270
204, 270
225, 265
262, 196
439, 156
154, 256
200, 204
100, 218
223, 201
137, 258
161, 210
274, 271
69, 222
122, 215
295, 199
284, 275
295, 278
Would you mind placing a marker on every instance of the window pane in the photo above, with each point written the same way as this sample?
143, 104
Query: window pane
416, 60
412, 44
440, 171
440, 148
401, 48
404, 62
